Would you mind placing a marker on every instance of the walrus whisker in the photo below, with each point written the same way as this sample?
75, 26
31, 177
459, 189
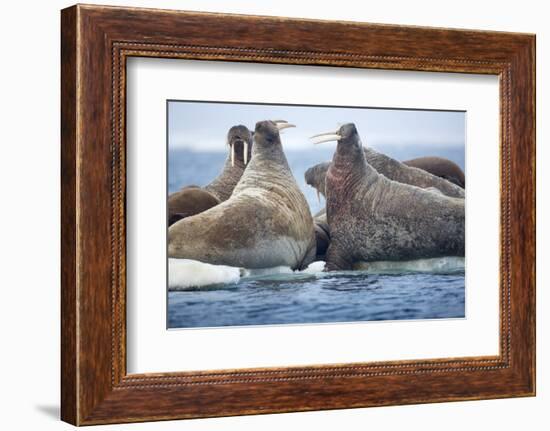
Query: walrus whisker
326, 138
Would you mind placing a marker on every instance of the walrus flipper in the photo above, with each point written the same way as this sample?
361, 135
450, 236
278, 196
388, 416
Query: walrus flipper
336, 259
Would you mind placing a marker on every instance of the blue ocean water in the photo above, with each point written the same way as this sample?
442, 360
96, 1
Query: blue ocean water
342, 297
311, 298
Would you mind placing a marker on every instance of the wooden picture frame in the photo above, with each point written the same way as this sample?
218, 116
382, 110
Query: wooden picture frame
95, 43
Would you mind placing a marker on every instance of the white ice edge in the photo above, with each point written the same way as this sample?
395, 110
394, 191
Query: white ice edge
184, 274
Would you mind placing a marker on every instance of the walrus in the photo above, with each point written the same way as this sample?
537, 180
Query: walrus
440, 167
193, 200
189, 201
265, 223
373, 218
392, 169
240, 142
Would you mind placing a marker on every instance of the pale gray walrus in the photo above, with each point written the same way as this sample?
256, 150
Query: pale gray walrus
373, 218
193, 200
265, 223
440, 167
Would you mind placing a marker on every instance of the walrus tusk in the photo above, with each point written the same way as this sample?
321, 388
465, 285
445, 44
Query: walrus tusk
332, 132
232, 155
325, 137
282, 126
245, 154
318, 196
280, 121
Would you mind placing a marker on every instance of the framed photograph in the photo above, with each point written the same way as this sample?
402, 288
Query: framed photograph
264, 214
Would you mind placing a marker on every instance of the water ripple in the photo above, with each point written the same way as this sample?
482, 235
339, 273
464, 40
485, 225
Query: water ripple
319, 298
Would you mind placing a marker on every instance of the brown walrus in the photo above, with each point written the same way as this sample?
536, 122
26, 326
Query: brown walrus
239, 139
440, 167
193, 200
265, 223
322, 235
189, 201
392, 169
373, 218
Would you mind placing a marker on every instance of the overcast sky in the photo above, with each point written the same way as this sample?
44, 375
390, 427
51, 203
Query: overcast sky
201, 126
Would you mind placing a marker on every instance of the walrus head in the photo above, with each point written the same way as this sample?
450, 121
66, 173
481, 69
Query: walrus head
349, 148
349, 157
349, 143
239, 139
266, 133
315, 177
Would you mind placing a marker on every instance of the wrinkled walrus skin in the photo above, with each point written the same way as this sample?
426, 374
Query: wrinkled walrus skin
393, 170
192, 200
372, 218
265, 223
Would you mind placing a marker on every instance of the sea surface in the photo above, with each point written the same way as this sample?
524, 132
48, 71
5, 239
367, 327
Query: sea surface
430, 290
319, 298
